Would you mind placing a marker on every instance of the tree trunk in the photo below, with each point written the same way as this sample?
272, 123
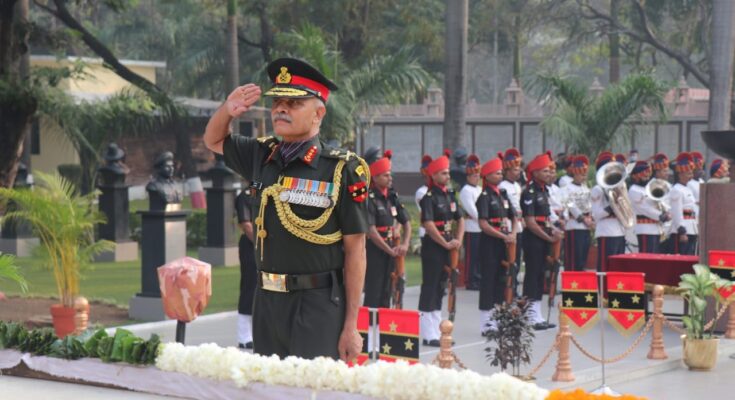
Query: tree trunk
232, 59
721, 64
266, 33
517, 48
614, 39
455, 79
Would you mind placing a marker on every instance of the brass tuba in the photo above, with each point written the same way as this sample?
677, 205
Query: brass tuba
611, 178
658, 190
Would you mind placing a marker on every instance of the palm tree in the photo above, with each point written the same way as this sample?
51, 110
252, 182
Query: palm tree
8, 270
721, 62
590, 123
455, 79
64, 221
231, 57
387, 79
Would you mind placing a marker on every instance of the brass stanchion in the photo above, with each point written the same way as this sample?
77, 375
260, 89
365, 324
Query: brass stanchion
730, 332
657, 351
446, 356
563, 371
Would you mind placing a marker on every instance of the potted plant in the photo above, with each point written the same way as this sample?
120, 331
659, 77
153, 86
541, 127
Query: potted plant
700, 345
512, 335
64, 222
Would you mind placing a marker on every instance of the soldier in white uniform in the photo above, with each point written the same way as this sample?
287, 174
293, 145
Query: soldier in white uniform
421, 191
564, 161
683, 230
577, 205
555, 201
609, 231
650, 214
719, 171
468, 198
512, 171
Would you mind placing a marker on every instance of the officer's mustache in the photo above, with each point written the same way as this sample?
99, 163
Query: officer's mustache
282, 117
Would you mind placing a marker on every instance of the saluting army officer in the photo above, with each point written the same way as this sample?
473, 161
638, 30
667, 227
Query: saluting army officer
496, 218
438, 210
311, 220
384, 209
538, 237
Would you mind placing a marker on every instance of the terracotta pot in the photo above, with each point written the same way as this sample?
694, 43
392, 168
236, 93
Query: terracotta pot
63, 318
699, 354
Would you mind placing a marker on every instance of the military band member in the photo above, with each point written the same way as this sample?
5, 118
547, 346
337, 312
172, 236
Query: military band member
564, 161
438, 210
421, 191
311, 221
497, 221
512, 173
609, 231
384, 209
248, 274
660, 165
719, 171
468, 198
698, 176
577, 236
650, 214
683, 230
538, 237
555, 201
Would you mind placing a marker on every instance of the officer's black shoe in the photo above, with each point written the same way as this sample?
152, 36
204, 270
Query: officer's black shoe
248, 345
540, 326
550, 325
431, 343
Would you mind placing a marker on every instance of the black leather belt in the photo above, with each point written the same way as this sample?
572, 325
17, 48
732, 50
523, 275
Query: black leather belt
291, 282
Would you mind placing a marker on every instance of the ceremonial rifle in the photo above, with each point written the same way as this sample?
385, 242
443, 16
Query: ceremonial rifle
398, 277
453, 275
511, 271
554, 260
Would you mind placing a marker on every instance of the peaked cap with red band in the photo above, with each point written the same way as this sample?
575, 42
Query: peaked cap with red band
511, 158
382, 165
684, 162
540, 162
473, 165
660, 161
438, 164
604, 158
698, 159
640, 169
297, 79
579, 164
494, 165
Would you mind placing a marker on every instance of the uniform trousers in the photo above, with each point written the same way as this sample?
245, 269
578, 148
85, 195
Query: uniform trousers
380, 265
678, 247
535, 251
248, 276
492, 282
472, 259
576, 249
302, 323
649, 244
433, 260
608, 246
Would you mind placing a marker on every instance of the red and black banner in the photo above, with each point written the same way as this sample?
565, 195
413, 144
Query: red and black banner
626, 301
579, 299
399, 335
722, 263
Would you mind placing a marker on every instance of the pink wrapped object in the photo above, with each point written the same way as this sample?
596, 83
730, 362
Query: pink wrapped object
186, 286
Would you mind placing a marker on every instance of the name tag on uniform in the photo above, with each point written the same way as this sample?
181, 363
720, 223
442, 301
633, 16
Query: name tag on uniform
393, 211
453, 206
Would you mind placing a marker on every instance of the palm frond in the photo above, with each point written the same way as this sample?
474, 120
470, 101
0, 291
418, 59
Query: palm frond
8, 270
548, 88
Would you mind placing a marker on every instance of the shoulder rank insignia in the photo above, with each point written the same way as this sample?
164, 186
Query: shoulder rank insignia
358, 191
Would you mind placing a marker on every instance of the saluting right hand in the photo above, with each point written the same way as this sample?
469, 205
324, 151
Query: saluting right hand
241, 99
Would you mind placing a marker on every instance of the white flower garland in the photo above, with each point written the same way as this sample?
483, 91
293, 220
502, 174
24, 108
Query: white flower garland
399, 380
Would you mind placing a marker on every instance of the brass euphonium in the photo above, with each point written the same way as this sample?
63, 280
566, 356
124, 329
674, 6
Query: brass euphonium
611, 178
658, 190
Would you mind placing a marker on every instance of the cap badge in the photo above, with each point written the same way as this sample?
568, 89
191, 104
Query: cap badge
284, 76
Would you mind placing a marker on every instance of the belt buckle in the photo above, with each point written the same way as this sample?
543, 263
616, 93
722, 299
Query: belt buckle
274, 282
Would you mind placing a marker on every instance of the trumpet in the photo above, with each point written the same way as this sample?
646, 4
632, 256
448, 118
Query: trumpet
611, 178
658, 190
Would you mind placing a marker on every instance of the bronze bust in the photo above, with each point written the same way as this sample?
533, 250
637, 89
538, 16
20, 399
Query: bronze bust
163, 192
